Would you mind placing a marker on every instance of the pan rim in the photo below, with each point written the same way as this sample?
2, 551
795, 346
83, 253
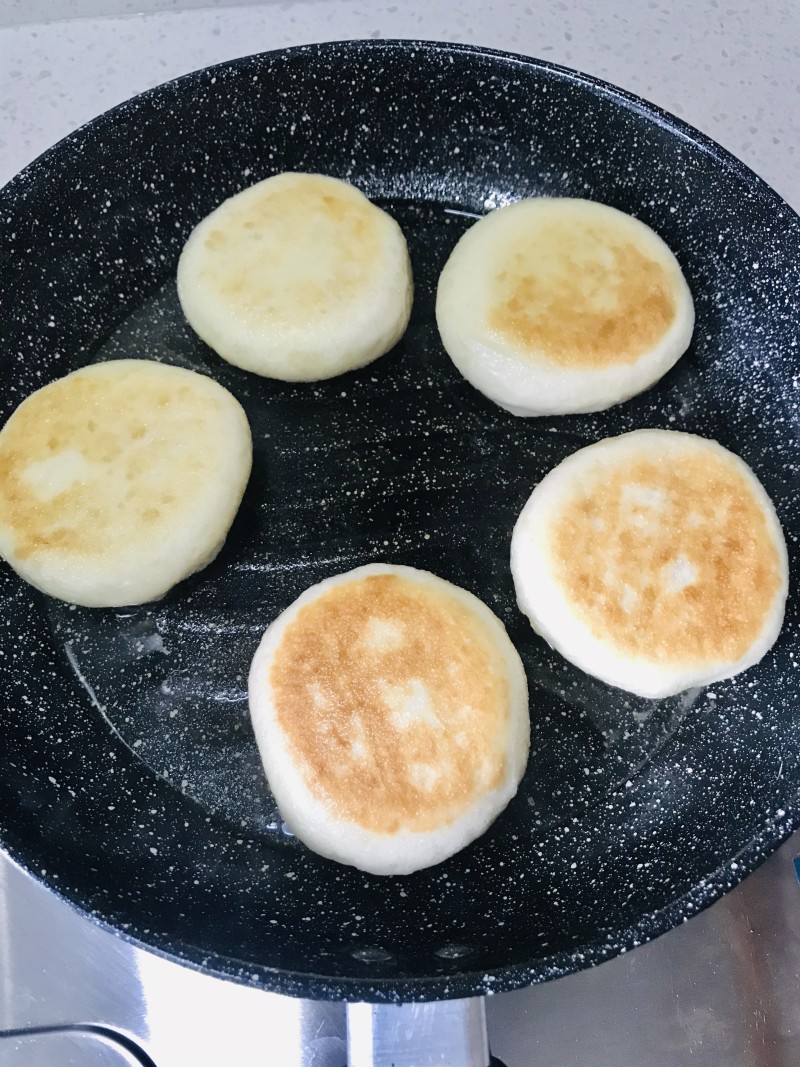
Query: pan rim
691, 134
464, 983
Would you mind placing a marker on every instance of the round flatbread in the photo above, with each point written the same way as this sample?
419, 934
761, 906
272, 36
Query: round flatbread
299, 277
552, 306
654, 561
391, 712
119, 480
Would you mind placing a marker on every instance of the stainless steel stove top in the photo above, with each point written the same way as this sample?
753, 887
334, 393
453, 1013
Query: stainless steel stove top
720, 991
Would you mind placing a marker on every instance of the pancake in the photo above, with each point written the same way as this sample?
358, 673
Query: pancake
119, 480
553, 306
654, 561
391, 712
299, 278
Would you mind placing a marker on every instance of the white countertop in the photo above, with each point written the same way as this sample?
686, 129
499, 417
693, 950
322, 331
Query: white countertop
730, 68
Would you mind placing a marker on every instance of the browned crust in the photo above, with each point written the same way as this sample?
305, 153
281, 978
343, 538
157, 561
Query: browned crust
341, 681
117, 425
674, 561
581, 295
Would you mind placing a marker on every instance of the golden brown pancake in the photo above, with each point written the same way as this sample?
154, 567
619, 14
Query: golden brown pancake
119, 480
555, 305
298, 277
654, 561
391, 713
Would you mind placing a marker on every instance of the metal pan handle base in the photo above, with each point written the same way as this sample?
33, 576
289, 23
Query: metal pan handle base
443, 1033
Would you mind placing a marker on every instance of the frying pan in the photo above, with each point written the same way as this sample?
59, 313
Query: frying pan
131, 784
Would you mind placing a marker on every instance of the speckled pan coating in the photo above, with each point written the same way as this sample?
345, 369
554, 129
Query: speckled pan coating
131, 781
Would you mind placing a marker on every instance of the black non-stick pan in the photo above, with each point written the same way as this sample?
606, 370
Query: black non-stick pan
130, 780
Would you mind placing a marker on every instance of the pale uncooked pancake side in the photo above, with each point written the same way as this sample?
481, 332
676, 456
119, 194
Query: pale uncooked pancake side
298, 277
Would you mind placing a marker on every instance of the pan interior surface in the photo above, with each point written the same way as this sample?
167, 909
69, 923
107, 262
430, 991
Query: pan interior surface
133, 784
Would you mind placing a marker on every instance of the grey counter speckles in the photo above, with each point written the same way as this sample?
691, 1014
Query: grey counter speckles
132, 777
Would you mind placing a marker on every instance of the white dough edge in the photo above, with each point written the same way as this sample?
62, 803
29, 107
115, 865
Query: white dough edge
520, 384
551, 614
309, 351
311, 821
137, 575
